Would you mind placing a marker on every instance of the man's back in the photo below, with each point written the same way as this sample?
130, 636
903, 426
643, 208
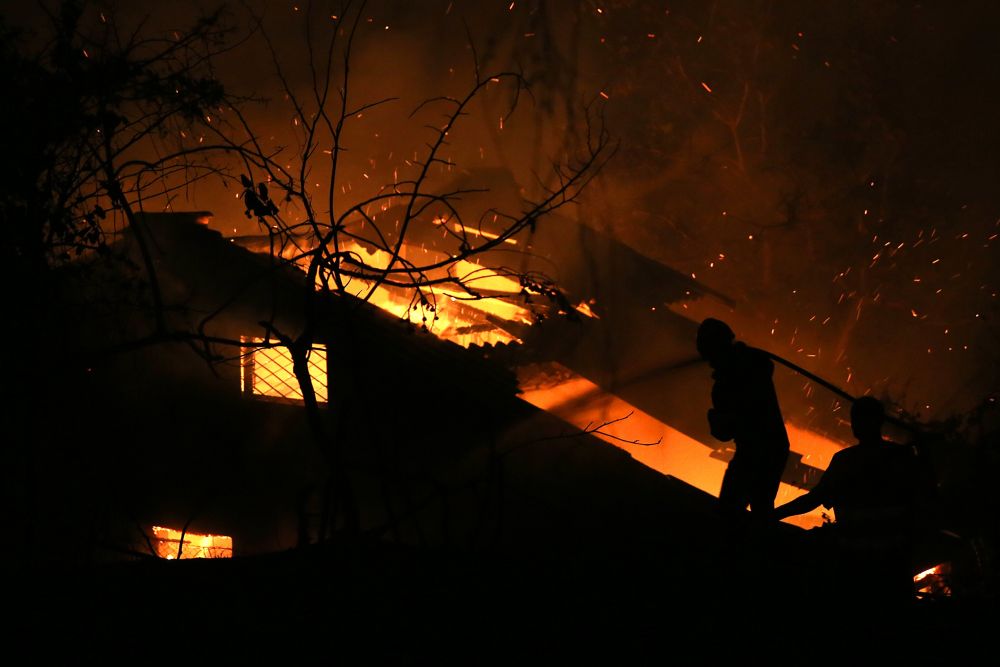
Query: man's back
873, 486
744, 396
870, 477
879, 490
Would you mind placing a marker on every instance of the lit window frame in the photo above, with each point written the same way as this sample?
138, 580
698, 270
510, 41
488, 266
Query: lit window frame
280, 386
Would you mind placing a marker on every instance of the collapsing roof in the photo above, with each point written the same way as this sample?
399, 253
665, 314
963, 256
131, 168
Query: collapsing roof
465, 450
626, 337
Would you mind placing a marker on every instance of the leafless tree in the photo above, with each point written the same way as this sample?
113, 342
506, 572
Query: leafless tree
132, 121
109, 120
103, 120
353, 245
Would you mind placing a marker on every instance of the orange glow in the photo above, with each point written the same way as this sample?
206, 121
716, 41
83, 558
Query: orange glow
677, 454
933, 581
167, 542
460, 228
456, 315
483, 278
461, 322
584, 309
816, 449
268, 371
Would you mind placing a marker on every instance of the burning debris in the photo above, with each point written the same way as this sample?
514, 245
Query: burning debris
934, 582
172, 544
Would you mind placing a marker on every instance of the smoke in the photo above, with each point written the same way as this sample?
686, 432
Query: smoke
829, 170
826, 169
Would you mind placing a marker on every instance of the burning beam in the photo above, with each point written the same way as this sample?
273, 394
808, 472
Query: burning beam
168, 544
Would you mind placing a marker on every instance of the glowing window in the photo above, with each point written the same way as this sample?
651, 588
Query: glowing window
167, 543
267, 372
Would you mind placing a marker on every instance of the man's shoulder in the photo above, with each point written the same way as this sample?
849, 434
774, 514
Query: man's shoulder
742, 348
868, 454
841, 456
897, 452
850, 456
752, 356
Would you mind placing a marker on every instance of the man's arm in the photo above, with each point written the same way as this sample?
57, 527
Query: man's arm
721, 424
821, 494
801, 505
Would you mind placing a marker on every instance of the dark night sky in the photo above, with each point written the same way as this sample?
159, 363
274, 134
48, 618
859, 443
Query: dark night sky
831, 166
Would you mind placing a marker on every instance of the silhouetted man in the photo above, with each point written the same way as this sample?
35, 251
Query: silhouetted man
745, 410
878, 491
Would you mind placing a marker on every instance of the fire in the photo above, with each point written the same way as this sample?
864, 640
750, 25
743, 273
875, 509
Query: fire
456, 316
453, 319
581, 402
933, 581
584, 309
268, 371
460, 228
167, 542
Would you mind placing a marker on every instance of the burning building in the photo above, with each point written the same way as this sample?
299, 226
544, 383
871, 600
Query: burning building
211, 444
757, 152
620, 343
229, 453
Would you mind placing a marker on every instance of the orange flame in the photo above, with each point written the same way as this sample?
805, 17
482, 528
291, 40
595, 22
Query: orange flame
933, 581
167, 543
457, 315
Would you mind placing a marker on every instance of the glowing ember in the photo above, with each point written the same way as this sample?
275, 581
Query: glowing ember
167, 543
933, 582
584, 309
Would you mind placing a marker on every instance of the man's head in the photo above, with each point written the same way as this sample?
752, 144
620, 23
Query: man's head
715, 340
867, 416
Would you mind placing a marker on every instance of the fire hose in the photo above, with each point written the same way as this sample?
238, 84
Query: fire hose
837, 390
